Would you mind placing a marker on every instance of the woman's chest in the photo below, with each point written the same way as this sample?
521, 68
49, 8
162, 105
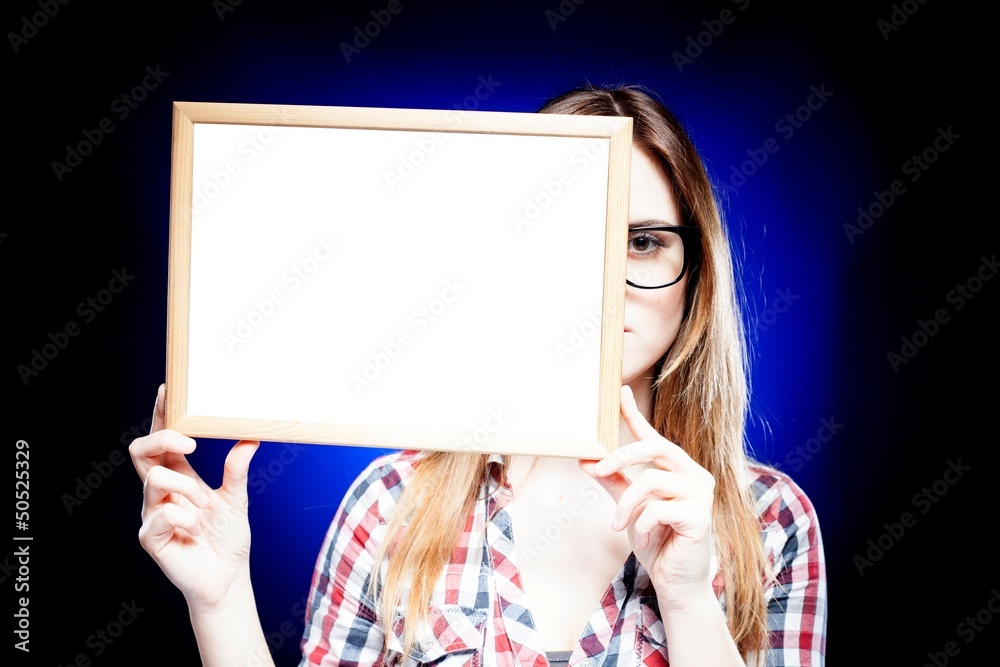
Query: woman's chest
567, 557
558, 580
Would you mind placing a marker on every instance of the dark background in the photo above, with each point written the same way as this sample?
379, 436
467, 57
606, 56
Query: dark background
826, 309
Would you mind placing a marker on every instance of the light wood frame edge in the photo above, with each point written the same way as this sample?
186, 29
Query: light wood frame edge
179, 267
613, 308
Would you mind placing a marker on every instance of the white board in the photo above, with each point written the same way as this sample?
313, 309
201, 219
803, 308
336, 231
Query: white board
397, 278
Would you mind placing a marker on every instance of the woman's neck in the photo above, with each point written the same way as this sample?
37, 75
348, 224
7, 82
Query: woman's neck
521, 466
642, 389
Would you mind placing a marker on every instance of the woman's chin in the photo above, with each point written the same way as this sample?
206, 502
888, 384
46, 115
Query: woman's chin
638, 378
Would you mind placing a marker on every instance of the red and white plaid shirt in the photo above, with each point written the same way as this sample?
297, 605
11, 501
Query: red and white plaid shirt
476, 615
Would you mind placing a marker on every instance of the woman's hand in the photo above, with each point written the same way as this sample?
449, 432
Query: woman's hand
666, 509
199, 536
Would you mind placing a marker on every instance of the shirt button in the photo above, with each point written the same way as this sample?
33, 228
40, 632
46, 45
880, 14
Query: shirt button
587, 662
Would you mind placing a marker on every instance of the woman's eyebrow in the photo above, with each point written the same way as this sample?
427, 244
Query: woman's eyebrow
650, 223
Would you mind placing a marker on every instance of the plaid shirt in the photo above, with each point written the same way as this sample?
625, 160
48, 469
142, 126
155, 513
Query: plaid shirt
475, 616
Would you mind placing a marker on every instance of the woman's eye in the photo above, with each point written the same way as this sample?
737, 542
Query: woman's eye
641, 242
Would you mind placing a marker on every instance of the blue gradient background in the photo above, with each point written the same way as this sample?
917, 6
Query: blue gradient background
823, 358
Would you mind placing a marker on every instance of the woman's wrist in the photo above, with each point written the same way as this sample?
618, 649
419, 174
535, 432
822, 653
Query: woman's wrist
696, 631
228, 631
236, 597
674, 602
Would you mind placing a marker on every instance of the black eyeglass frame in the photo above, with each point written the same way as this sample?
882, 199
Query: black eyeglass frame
692, 250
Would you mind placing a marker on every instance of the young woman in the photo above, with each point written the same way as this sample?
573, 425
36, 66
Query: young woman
675, 549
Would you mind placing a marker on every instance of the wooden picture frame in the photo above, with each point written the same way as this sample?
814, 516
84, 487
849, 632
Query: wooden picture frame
397, 278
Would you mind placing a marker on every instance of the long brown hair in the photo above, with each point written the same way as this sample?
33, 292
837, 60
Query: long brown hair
700, 398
